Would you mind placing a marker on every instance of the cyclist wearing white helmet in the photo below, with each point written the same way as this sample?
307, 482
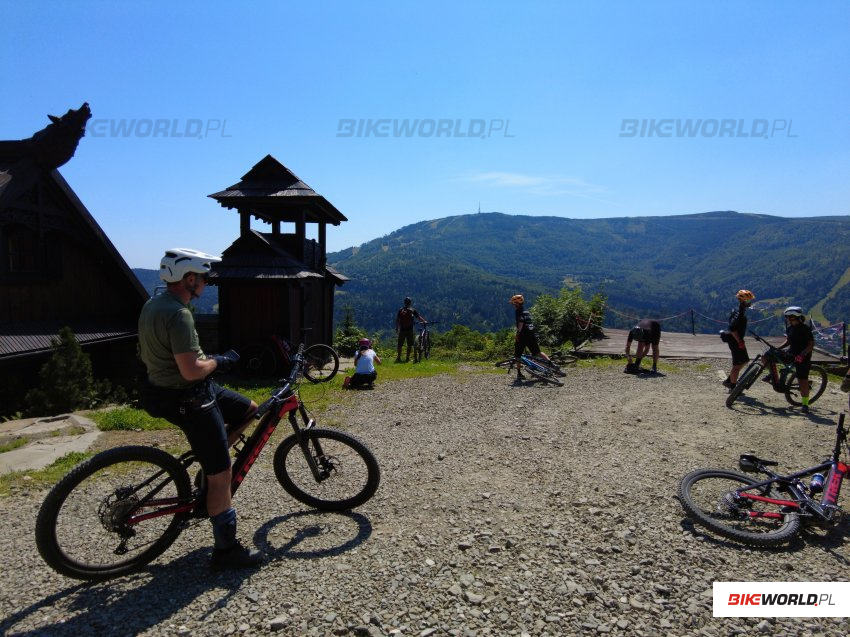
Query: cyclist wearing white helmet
179, 389
800, 342
737, 329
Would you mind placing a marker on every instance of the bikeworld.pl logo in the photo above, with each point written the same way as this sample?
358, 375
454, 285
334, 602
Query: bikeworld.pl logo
473, 128
755, 129
189, 128
781, 599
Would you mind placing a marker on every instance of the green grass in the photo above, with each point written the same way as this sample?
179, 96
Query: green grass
127, 419
14, 444
46, 477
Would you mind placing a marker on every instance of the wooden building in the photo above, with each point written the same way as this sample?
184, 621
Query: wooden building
277, 282
57, 267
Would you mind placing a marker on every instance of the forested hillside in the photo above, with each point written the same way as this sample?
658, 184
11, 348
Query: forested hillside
463, 269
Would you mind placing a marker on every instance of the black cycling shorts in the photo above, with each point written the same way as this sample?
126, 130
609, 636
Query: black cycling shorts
739, 354
201, 414
526, 339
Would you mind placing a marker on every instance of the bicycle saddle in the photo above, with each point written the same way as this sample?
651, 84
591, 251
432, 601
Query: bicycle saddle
750, 462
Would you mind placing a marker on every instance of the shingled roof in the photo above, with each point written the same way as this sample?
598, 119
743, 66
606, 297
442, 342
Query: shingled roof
272, 192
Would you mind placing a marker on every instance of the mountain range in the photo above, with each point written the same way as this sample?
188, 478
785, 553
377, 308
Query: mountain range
463, 269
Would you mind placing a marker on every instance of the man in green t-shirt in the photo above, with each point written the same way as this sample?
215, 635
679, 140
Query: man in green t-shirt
179, 389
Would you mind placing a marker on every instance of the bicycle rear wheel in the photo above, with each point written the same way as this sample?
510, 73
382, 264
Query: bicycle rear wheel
348, 471
426, 346
508, 363
543, 373
551, 365
84, 528
709, 496
257, 361
745, 381
817, 386
321, 363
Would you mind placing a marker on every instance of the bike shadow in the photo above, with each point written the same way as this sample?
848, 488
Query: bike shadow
748, 405
316, 534
827, 541
150, 597
137, 602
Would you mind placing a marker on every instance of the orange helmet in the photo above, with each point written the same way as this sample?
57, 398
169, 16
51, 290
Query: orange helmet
745, 295
517, 299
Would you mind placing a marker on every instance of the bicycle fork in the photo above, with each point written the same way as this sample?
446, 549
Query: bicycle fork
320, 465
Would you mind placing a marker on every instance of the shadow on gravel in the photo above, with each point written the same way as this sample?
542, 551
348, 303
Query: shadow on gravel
748, 405
826, 540
314, 534
129, 605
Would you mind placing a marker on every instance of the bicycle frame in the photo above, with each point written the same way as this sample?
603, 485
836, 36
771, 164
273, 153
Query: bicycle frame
804, 503
773, 362
283, 402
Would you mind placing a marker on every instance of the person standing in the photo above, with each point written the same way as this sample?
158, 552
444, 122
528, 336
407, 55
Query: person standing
179, 389
735, 340
526, 337
404, 321
800, 342
647, 333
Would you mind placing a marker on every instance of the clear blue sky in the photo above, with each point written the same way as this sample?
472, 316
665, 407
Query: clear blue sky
282, 75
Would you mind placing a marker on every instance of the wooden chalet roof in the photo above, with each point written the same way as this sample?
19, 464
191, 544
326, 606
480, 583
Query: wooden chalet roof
272, 192
34, 338
262, 256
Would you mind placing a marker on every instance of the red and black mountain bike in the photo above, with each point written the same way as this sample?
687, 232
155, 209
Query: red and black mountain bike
124, 507
769, 511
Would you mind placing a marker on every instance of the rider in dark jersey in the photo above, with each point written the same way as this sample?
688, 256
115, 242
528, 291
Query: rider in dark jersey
800, 342
647, 333
737, 330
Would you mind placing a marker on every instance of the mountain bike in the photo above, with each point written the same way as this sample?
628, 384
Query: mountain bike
122, 508
422, 345
560, 358
783, 376
274, 357
536, 367
766, 512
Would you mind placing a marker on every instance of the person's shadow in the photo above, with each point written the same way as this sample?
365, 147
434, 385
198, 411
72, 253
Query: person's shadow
161, 590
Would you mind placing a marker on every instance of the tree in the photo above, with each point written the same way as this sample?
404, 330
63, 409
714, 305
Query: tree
348, 333
67, 382
569, 317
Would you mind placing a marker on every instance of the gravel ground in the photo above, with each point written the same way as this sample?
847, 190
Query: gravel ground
504, 509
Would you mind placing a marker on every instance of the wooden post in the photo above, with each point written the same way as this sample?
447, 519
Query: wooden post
693, 325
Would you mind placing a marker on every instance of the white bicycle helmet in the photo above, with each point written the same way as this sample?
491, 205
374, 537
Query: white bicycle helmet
178, 262
794, 310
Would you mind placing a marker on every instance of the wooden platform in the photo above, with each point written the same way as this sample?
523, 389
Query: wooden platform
683, 346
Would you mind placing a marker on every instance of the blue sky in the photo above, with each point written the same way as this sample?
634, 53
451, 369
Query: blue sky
563, 78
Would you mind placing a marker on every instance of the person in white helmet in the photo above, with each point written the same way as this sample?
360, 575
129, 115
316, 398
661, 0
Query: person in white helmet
180, 390
800, 342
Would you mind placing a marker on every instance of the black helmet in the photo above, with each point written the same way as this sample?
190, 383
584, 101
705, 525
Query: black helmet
407, 301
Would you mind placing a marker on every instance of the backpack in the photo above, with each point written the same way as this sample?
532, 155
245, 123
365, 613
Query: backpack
405, 318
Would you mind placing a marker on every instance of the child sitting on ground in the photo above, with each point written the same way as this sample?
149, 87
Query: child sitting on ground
364, 365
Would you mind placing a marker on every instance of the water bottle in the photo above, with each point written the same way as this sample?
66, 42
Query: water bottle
816, 485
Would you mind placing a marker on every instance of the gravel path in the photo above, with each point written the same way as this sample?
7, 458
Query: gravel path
504, 509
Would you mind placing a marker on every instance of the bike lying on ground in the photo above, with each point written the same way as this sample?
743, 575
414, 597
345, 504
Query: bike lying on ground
124, 507
422, 346
766, 512
783, 379
560, 358
537, 367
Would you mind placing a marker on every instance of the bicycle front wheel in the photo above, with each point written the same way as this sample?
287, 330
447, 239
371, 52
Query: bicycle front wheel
85, 527
745, 381
817, 386
710, 498
347, 473
321, 363
426, 346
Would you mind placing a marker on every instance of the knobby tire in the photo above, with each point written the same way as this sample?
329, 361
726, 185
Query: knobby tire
817, 386
80, 523
321, 363
745, 381
713, 507
352, 471
547, 376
